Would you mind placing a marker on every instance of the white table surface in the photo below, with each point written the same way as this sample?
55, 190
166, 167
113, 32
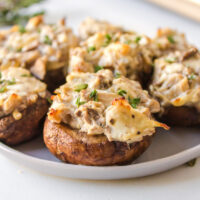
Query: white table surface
18, 182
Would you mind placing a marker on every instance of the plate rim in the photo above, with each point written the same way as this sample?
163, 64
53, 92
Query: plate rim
99, 172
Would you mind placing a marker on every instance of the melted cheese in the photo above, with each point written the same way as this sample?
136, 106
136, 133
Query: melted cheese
91, 26
18, 89
93, 114
168, 40
177, 83
127, 124
121, 52
22, 47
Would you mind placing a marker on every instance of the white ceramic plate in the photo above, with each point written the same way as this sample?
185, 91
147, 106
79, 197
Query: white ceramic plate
169, 149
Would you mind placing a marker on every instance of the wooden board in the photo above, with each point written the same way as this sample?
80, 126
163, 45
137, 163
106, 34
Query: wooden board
189, 8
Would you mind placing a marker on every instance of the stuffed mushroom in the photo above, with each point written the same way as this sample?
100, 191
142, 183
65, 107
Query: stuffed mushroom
96, 119
41, 48
176, 85
23, 105
123, 53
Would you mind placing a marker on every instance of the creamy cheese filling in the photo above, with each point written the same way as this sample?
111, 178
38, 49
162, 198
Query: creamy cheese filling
18, 89
166, 41
46, 45
120, 52
90, 26
176, 79
98, 103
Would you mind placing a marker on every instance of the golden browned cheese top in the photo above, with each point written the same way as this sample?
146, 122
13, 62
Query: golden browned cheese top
98, 103
176, 79
37, 45
90, 26
122, 53
18, 89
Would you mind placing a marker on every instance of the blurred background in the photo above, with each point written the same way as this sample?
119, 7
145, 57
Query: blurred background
19, 11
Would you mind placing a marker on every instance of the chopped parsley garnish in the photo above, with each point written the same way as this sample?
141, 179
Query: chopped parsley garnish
0, 75
170, 59
108, 40
191, 77
19, 49
22, 29
47, 40
94, 95
171, 39
39, 30
121, 92
137, 39
79, 102
153, 65
11, 82
49, 100
92, 48
3, 89
117, 75
26, 75
108, 37
134, 102
191, 163
80, 87
97, 68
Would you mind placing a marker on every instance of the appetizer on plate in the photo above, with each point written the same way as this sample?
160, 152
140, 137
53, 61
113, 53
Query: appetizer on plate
42, 48
176, 85
23, 105
96, 119
123, 53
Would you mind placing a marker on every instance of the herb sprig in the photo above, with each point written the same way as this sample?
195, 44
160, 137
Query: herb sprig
134, 102
79, 102
121, 92
10, 11
94, 95
80, 87
97, 68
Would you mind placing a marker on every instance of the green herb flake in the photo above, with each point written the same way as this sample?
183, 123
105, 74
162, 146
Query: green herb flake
19, 50
171, 39
137, 39
11, 82
108, 37
191, 163
97, 68
49, 100
79, 102
22, 29
134, 102
80, 87
170, 59
121, 92
94, 95
0, 75
92, 48
47, 40
3, 89
191, 77
26, 75
108, 40
117, 75
39, 13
